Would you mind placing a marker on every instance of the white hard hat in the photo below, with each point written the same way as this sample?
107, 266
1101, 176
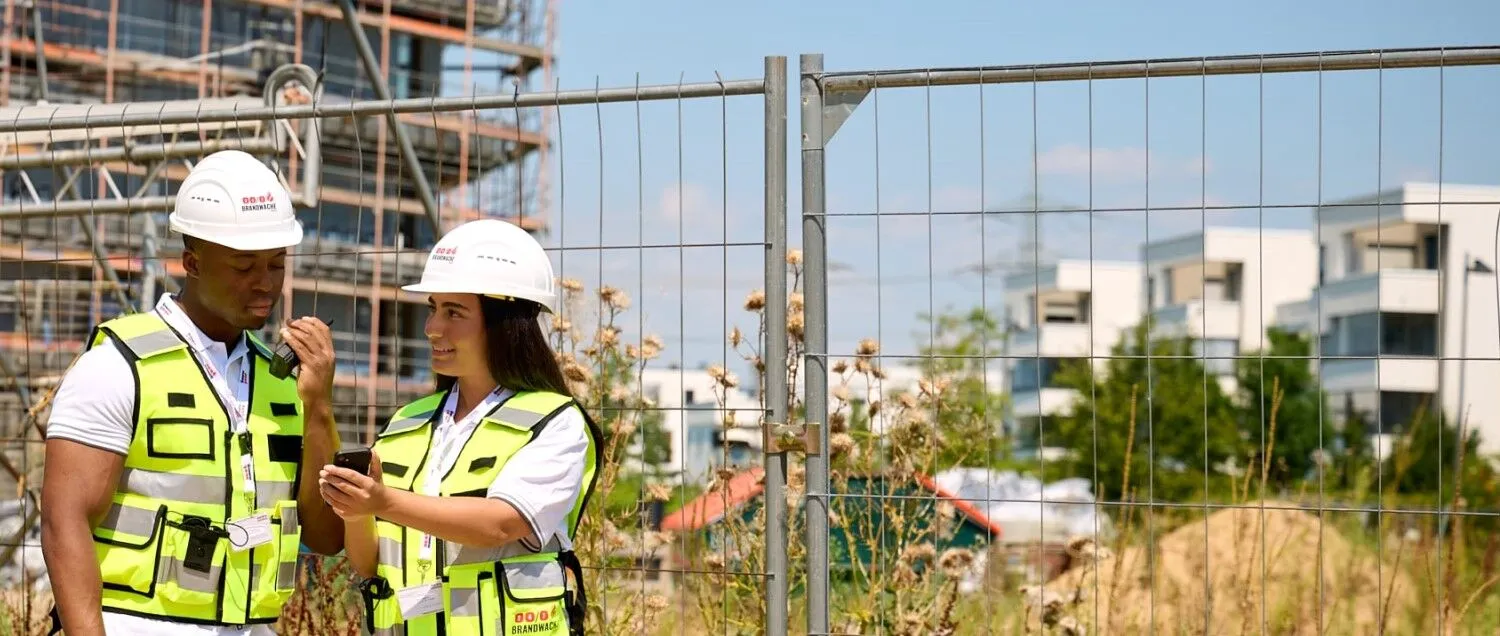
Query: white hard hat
492, 258
233, 199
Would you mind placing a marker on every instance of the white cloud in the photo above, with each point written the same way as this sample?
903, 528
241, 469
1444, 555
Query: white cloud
1117, 163
685, 200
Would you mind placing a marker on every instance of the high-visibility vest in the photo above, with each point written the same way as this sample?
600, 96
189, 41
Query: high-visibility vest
509, 590
163, 548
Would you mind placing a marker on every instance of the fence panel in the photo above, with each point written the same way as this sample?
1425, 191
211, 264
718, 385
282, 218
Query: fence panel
1157, 345
669, 242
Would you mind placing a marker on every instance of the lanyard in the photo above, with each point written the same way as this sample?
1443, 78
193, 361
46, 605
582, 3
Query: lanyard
448, 439
236, 399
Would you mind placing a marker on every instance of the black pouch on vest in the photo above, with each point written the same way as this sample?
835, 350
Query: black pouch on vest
202, 539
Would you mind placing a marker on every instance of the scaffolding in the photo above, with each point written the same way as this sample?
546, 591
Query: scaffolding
83, 233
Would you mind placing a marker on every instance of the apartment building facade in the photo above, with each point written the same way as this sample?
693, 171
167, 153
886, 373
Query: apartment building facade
1221, 288
1404, 310
1068, 310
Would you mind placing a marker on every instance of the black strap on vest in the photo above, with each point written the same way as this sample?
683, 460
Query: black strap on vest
56, 627
576, 599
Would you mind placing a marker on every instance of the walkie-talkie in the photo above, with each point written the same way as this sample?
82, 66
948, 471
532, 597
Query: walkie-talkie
284, 359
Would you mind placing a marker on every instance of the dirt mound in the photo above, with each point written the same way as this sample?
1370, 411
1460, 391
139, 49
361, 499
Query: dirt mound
1256, 566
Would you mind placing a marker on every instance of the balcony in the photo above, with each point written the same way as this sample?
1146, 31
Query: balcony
1047, 401
1415, 375
1213, 319
1411, 291
1055, 339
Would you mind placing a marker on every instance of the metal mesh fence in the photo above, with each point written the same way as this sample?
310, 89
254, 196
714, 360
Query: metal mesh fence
1189, 345
1199, 345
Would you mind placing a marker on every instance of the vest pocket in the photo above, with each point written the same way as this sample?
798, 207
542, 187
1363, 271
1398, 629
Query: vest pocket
192, 561
276, 562
180, 438
127, 545
532, 598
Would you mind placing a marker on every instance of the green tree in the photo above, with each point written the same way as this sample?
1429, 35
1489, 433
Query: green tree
969, 405
1147, 415
1302, 423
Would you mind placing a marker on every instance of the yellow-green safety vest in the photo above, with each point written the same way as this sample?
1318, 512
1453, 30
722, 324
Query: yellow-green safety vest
505, 591
163, 548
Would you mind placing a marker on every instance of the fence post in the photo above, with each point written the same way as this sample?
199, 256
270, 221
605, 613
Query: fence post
776, 346
815, 362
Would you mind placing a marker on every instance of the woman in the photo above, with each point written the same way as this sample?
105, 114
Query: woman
474, 493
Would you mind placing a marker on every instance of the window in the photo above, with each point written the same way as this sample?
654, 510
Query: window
1217, 354
1025, 376
1392, 334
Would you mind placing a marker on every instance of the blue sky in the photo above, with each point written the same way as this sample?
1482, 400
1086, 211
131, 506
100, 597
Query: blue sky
670, 173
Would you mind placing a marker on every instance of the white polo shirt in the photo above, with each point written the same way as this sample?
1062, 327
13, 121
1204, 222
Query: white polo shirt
95, 402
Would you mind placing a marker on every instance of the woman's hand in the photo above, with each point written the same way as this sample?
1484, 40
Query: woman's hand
352, 495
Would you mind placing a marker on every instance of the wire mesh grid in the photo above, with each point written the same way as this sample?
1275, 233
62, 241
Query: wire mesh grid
667, 218
1150, 346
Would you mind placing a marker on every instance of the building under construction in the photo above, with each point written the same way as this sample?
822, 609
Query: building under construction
83, 229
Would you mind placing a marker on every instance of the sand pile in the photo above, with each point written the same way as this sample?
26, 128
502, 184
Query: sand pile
1250, 561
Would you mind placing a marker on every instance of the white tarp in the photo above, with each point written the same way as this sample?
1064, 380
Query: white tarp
1015, 503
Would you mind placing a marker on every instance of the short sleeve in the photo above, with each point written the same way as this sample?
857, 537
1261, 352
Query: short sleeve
544, 479
95, 404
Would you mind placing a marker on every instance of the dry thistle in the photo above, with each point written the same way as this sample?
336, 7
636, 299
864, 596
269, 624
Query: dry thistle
867, 348
658, 492
794, 256
840, 366
918, 553
874, 408
838, 422
561, 325
608, 336
735, 337
955, 561
614, 298
570, 285
907, 400
841, 393
841, 444
623, 428
794, 302
656, 602
756, 301
650, 348
796, 325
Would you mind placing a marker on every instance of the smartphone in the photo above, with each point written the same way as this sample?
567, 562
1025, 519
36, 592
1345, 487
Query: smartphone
356, 459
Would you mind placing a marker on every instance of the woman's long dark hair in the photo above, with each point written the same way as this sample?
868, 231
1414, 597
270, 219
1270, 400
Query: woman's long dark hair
519, 356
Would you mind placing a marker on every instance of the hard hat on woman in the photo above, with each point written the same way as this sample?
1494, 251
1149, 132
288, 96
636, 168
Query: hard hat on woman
492, 258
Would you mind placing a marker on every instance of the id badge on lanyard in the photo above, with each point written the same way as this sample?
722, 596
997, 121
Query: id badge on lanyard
448, 438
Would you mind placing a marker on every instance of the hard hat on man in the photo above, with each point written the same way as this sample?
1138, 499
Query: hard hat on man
232, 199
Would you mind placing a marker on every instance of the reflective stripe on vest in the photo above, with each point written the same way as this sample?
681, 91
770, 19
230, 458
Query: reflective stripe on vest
487, 591
163, 545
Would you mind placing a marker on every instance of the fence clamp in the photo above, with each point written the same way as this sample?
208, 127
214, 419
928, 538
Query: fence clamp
781, 438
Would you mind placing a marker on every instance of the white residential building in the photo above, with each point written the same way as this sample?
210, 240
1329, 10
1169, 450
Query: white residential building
1222, 287
1406, 292
692, 419
1072, 309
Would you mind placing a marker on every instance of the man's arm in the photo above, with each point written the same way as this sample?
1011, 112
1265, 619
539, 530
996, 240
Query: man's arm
78, 484
323, 530
88, 435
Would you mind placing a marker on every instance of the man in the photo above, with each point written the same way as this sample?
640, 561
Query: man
181, 473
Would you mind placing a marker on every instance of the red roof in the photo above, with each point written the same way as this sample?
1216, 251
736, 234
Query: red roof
710, 507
